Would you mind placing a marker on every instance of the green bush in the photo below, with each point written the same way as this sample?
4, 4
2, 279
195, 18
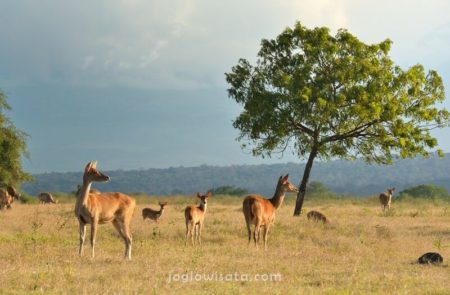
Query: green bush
425, 191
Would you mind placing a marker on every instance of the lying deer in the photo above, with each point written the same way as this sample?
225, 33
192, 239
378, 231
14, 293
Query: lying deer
385, 199
317, 216
154, 214
102, 208
194, 217
46, 198
261, 212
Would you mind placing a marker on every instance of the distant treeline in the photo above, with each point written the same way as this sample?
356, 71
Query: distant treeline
343, 177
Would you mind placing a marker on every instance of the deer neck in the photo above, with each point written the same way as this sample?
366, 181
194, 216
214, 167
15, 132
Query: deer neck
83, 195
202, 206
277, 198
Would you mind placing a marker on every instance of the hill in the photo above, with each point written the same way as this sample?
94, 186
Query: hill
344, 177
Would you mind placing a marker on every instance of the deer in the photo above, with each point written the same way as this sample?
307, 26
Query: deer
261, 212
7, 197
92, 190
46, 198
100, 208
154, 214
195, 217
385, 199
317, 216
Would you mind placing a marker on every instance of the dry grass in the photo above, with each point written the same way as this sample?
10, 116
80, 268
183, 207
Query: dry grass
362, 251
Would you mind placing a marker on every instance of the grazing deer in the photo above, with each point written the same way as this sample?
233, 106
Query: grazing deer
385, 199
195, 217
46, 198
317, 216
7, 197
153, 214
261, 212
102, 208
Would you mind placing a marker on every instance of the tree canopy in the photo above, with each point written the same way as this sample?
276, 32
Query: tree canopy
331, 96
12, 148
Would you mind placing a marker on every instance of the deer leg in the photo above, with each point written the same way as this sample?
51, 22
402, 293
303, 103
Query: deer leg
93, 235
199, 234
256, 234
128, 239
187, 233
82, 236
266, 233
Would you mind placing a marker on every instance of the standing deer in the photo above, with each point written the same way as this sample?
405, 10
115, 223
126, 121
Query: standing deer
154, 214
317, 216
194, 217
102, 208
261, 212
385, 199
46, 198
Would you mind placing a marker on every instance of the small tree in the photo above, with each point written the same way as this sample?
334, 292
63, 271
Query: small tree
334, 97
12, 147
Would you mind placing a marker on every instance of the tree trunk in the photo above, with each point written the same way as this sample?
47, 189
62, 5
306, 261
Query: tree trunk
304, 182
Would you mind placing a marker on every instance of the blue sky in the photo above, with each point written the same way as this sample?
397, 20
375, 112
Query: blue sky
140, 83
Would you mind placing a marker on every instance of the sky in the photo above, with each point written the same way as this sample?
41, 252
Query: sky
139, 84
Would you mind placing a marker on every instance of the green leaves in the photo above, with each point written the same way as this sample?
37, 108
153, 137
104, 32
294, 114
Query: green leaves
12, 148
336, 94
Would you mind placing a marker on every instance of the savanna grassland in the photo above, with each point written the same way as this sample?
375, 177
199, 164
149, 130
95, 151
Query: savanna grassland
361, 252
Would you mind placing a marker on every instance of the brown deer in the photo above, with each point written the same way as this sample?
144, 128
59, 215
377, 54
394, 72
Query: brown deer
102, 208
385, 199
7, 197
261, 212
154, 214
317, 216
91, 191
195, 216
46, 198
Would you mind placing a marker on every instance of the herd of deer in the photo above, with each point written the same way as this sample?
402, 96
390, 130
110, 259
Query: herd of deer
94, 208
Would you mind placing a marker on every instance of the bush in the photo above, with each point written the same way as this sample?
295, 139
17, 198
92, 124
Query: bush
318, 190
229, 190
425, 191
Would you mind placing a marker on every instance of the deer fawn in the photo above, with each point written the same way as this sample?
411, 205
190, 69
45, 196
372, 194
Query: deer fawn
102, 208
317, 216
153, 214
385, 199
195, 217
261, 212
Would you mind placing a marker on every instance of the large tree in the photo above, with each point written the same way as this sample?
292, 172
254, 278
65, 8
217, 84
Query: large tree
12, 148
329, 96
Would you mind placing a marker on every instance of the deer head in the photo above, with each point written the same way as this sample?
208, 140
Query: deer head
162, 205
204, 198
92, 174
285, 185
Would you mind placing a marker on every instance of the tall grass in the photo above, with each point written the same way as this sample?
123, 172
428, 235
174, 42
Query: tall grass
361, 252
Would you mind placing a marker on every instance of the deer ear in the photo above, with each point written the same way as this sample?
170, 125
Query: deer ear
285, 179
198, 195
88, 166
208, 195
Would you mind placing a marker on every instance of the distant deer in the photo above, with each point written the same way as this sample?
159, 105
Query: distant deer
101, 208
317, 216
194, 217
385, 199
7, 197
154, 214
261, 212
46, 198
